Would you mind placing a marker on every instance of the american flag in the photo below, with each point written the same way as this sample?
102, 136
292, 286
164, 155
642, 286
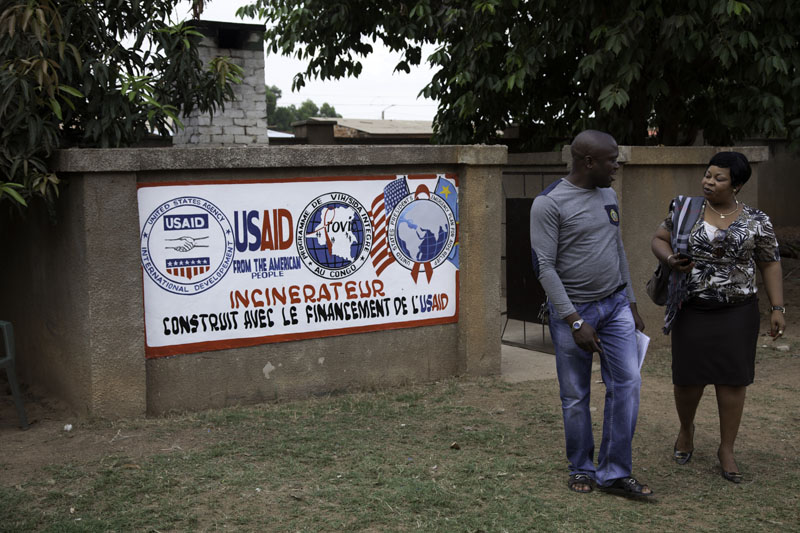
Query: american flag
382, 207
188, 268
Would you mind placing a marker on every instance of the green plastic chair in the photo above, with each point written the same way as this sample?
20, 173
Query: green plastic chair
7, 362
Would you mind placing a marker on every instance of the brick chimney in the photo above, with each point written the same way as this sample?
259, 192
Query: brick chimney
244, 120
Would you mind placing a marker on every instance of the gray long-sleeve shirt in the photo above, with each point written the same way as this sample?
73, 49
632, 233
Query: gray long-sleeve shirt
576, 244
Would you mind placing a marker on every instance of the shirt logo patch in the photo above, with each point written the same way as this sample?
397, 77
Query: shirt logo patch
613, 214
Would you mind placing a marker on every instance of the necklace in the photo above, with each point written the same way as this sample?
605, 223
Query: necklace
723, 215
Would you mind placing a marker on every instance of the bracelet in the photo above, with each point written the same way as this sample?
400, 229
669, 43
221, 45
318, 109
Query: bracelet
779, 308
670, 256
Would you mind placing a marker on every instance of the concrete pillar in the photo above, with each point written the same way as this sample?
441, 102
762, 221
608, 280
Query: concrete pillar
113, 273
479, 319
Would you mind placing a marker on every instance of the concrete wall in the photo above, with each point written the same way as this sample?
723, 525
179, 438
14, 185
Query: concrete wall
74, 289
779, 186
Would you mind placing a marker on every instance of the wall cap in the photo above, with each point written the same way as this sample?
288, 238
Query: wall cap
535, 158
678, 155
89, 160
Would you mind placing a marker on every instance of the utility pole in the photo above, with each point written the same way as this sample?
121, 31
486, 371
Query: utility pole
384, 110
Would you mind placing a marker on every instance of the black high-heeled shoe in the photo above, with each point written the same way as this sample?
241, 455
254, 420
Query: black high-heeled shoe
682, 457
733, 477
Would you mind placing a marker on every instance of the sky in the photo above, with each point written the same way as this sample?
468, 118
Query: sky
375, 92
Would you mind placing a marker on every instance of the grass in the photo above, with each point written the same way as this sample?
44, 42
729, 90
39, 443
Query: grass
459, 455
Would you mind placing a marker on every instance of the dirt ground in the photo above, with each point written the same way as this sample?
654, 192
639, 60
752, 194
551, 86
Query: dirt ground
24, 454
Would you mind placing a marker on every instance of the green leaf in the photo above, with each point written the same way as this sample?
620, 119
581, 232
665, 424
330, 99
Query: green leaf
149, 100
56, 107
76, 55
174, 118
511, 81
5, 189
70, 90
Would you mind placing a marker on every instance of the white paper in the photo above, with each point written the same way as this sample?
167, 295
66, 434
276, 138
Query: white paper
642, 342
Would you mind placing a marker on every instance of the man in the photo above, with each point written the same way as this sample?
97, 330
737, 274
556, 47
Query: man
579, 260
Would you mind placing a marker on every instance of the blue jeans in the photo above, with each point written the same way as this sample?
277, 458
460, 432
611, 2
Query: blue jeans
611, 317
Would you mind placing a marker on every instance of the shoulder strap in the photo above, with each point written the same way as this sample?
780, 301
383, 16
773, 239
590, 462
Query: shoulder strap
685, 213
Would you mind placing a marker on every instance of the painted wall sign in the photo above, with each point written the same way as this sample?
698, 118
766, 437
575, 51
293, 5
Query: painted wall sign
239, 263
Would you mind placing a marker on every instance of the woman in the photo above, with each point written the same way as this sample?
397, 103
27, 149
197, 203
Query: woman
712, 309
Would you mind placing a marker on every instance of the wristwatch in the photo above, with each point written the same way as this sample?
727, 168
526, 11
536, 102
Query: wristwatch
774, 308
577, 325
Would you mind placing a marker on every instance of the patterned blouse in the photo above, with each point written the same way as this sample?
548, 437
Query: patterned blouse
725, 261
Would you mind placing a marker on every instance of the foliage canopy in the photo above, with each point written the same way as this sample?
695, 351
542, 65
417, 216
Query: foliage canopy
99, 73
633, 67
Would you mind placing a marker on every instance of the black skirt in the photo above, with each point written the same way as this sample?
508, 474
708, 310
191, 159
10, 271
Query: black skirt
715, 343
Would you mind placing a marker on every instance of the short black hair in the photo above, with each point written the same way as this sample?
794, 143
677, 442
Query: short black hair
737, 163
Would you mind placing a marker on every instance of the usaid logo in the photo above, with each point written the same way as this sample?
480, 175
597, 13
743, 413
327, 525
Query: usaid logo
181, 222
187, 245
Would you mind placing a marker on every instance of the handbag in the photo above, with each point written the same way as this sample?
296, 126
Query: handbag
658, 285
685, 211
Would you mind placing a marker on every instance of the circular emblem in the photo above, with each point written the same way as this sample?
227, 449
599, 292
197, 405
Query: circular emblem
614, 215
422, 230
334, 235
187, 245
